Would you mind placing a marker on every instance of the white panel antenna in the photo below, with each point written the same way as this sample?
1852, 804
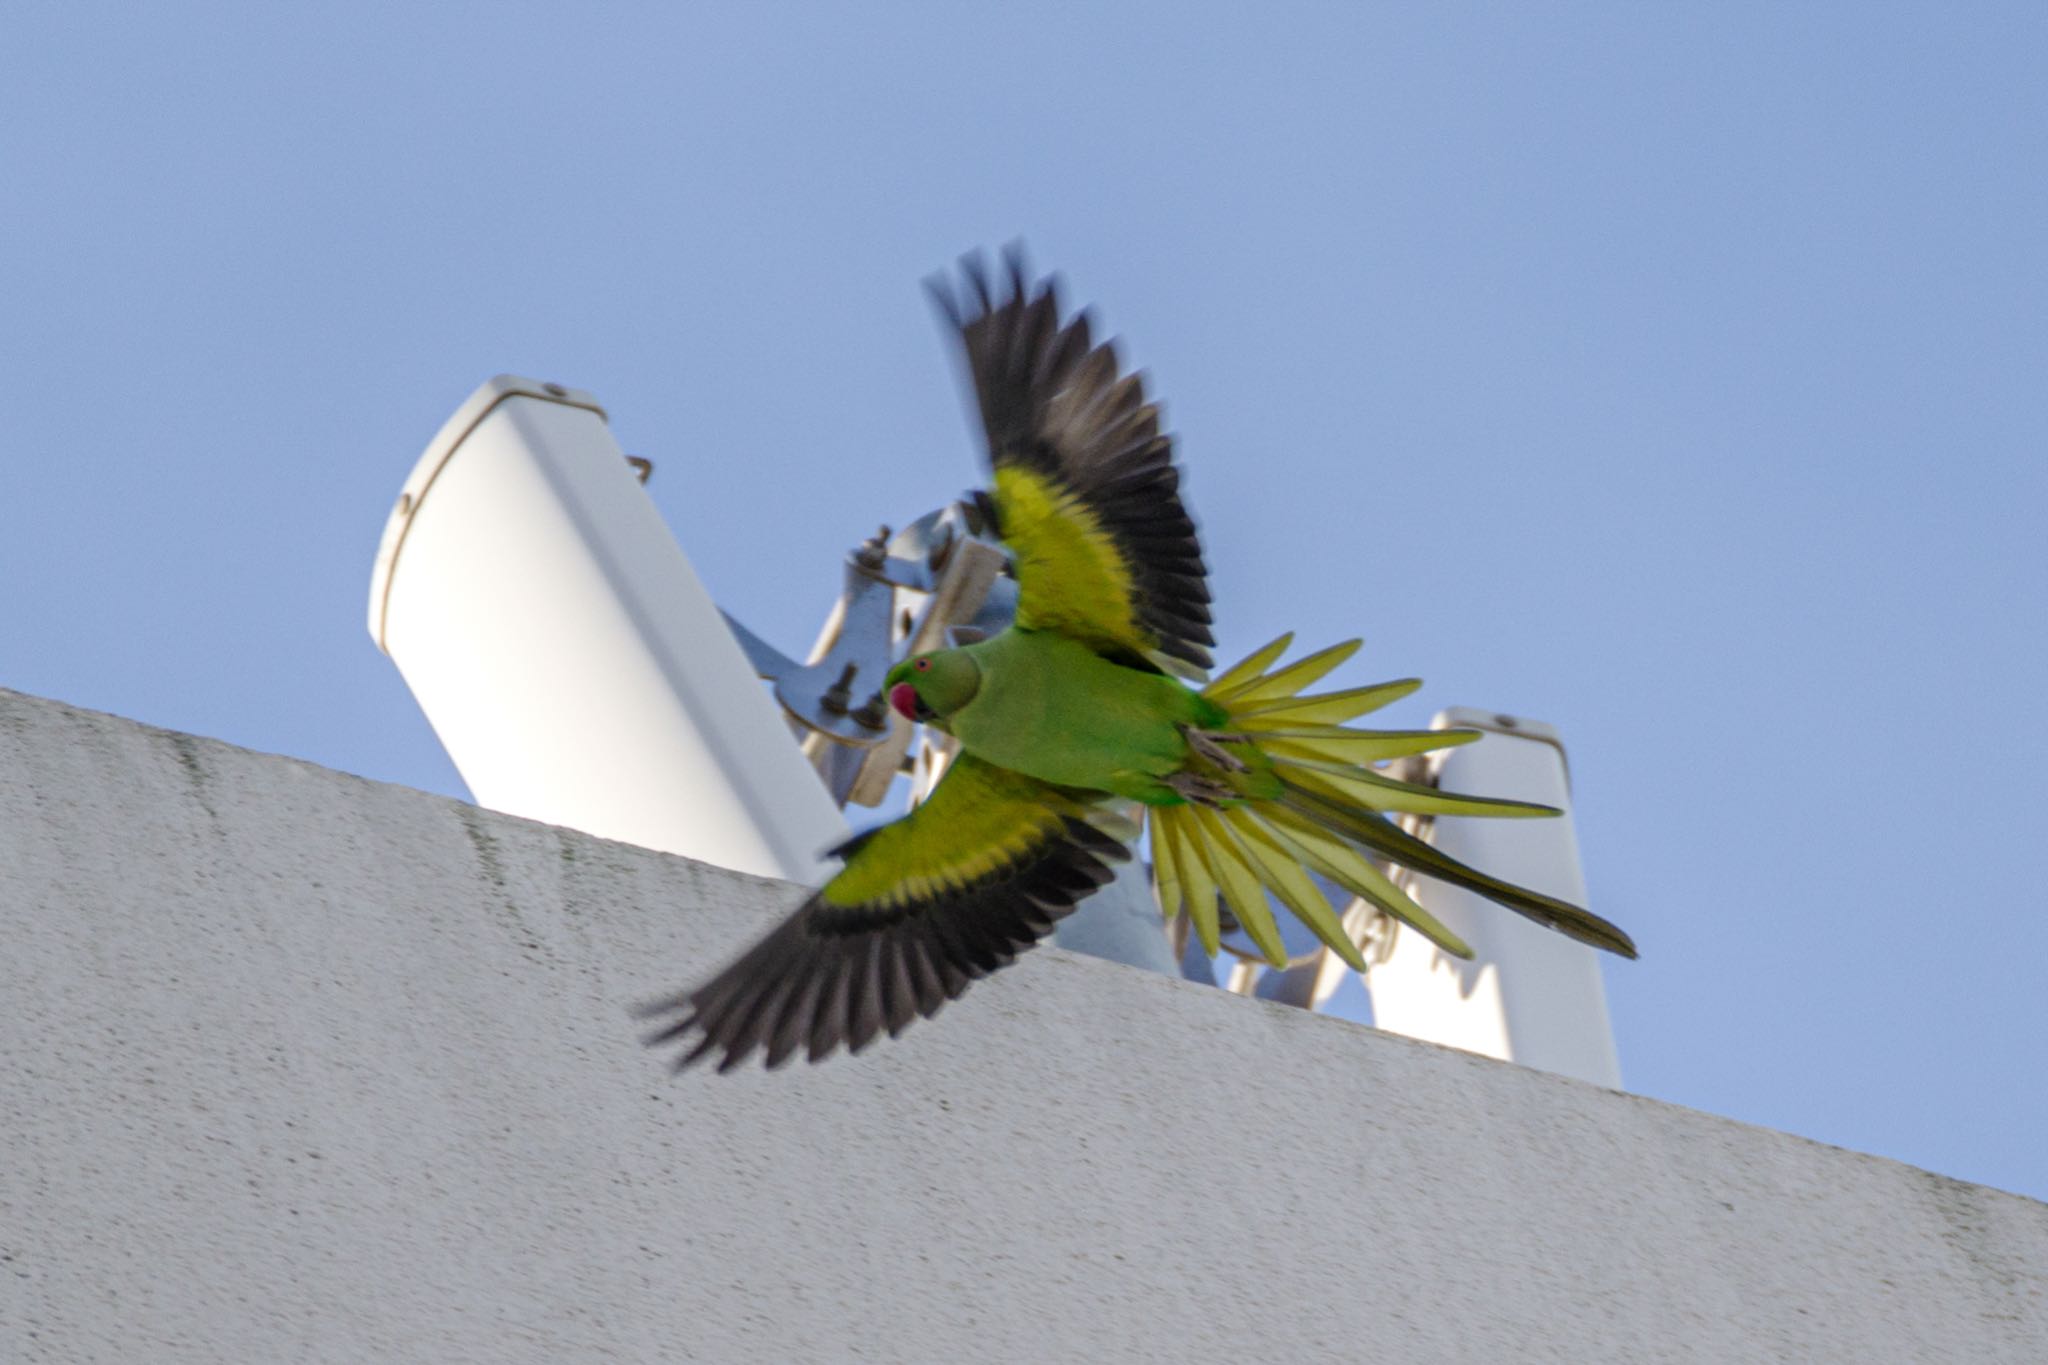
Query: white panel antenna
567, 655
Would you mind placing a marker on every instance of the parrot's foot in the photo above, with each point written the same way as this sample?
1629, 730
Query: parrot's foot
1198, 790
1209, 744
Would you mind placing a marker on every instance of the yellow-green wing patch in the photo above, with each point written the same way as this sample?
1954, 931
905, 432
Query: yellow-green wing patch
978, 820
1071, 575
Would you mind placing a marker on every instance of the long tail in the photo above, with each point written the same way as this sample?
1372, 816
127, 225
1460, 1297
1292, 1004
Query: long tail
1282, 785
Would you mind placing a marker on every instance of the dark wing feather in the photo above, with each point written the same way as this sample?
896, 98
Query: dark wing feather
924, 907
1086, 493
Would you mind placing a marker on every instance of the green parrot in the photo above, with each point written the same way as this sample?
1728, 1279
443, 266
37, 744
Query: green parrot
1093, 699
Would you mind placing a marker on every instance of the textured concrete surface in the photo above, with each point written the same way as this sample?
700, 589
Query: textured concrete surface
298, 1067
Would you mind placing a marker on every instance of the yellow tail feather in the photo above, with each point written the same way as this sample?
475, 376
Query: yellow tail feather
1289, 681
1241, 883
1251, 667
1328, 708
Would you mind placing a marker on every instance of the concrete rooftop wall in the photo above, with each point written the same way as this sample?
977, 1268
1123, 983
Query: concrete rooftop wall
301, 1067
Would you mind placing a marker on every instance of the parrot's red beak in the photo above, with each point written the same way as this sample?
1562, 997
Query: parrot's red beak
903, 697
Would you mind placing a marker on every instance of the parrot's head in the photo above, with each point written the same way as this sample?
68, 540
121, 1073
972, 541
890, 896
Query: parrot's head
931, 687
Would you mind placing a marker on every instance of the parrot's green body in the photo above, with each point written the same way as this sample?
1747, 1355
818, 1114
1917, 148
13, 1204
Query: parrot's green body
1050, 707
1098, 695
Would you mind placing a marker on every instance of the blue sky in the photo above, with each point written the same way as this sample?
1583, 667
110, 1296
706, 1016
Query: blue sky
1673, 375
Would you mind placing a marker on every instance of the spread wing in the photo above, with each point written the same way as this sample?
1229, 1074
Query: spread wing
1086, 493
924, 906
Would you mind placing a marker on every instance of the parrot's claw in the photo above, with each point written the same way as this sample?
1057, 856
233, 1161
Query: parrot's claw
1209, 745
1199, 790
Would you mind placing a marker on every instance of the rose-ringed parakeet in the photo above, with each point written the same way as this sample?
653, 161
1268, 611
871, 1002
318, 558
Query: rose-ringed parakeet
1092, 700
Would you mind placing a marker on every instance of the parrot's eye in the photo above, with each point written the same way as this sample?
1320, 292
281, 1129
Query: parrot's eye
923, 665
